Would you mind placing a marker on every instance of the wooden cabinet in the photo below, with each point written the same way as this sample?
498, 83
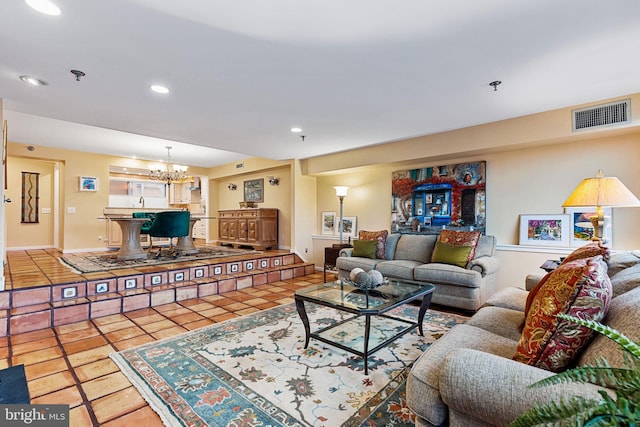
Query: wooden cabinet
199, 230
249, 227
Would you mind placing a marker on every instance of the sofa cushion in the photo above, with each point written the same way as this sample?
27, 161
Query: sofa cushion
380, 237
423, 395
364, 248
626, 280
451, 254
415, 247
461, 238
579, 288
348, 263
498, 320
486, 246
624, 317
512, 298
621, 260
391, 244
399, 268
445, 273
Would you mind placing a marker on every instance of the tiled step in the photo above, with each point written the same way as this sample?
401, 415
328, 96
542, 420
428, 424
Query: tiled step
49, 306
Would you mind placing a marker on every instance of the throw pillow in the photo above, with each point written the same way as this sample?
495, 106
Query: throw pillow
587, 251
379, 236
580, 288
364, 248
445, 253
461, 238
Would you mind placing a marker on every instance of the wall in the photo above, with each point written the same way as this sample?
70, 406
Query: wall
522, 178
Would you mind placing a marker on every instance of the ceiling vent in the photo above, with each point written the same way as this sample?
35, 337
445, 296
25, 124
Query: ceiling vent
614, 113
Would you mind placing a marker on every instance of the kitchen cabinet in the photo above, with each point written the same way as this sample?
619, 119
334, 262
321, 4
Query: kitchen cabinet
199, 230
180, 193
248, 227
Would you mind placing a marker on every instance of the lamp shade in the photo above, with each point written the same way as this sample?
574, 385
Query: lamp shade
601, 191
341, 191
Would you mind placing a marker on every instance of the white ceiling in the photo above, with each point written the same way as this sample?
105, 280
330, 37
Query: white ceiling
350, 73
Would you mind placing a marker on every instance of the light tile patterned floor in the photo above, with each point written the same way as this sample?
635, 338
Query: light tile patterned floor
70, 364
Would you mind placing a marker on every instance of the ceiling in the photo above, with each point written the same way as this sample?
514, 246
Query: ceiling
349, 73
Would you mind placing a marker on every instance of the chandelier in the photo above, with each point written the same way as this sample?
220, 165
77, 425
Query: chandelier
170, 173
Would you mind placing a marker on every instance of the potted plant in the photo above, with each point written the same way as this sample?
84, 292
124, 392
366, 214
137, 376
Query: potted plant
623, 409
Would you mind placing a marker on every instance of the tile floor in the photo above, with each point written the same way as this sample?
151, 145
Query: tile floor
70, 364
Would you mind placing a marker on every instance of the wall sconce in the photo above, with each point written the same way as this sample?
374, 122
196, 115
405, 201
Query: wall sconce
274, 180
232, 186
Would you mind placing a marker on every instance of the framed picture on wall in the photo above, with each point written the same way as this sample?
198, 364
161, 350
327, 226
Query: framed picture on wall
582, 228
348, 226
254, 190
545, 230
328, 223
88, 183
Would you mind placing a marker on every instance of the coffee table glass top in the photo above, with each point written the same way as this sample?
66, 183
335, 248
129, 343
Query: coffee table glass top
347, 297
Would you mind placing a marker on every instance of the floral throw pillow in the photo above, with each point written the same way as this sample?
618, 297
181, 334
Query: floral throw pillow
579, 288
461, 238
379, 236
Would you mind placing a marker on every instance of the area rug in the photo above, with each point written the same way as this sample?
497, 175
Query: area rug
93, 263
254, 371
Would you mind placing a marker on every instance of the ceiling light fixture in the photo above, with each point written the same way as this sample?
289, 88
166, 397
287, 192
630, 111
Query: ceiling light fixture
33, 81
159, 89
495, 84
78, 74
44, 6
296, 130
170, 173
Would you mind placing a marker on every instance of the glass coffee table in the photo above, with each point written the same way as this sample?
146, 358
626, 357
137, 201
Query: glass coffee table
372, 304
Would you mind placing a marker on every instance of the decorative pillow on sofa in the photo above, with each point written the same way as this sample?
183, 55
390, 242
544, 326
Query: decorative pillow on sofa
461, 238
445, 253
579, 288
364, 248
380, 237
587, 251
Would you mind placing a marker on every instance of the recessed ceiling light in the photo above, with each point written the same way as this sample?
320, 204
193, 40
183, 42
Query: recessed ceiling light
159, 89
33, 81
44, 6
296, 130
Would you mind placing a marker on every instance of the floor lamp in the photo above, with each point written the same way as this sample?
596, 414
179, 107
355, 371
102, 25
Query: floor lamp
601, 191
341, 192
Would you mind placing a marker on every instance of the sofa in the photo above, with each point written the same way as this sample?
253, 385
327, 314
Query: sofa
469, 378
409, 257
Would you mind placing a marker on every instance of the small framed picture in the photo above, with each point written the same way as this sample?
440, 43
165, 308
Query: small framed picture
328, 223
254, 190
349, 226
582, 228
88, 183
545, 230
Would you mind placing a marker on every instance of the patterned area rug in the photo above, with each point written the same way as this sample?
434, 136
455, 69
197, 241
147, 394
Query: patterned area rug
254, 371
93, 263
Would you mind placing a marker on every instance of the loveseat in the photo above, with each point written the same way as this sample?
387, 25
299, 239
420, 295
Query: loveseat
468, 376
409, 257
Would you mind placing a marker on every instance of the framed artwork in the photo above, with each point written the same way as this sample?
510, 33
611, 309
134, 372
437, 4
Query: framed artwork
88, 183
545, 230
348, 226
582, 229
254, 190
30, 197
328, 222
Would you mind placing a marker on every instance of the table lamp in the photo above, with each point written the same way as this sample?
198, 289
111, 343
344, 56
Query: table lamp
601, 191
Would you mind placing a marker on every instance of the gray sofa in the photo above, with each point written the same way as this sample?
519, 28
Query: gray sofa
408, 256
467, 377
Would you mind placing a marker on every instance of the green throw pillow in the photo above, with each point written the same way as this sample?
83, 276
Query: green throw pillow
364, 248
445, 253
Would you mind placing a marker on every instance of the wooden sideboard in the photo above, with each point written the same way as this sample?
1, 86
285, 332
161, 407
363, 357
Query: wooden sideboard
249, 227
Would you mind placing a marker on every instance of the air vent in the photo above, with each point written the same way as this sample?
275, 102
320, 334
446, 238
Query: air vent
615, 113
